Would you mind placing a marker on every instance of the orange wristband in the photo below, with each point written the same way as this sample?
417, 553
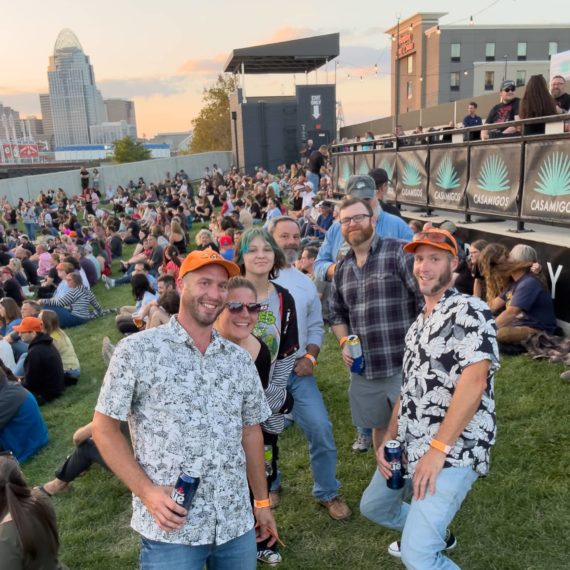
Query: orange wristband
263, 504
440, 446
342, 341
311, 358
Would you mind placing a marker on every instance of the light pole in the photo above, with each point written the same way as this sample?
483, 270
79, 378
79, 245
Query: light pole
397, 113
506, 58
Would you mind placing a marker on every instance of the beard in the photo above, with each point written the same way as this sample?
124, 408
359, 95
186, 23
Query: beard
204, 319
291, 255
358, 237
442, 283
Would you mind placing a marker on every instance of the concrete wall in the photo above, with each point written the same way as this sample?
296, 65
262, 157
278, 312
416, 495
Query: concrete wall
28, 187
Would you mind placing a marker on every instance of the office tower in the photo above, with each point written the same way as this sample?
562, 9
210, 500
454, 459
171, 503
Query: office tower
121, 110
47, 120
75, 101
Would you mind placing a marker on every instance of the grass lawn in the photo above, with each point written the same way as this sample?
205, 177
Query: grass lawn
515, 519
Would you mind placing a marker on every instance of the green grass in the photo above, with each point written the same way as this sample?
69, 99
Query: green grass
515, 519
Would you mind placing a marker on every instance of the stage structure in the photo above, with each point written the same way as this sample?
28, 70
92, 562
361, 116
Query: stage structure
268, 131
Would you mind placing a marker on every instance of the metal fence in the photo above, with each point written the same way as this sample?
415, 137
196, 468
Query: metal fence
525, 178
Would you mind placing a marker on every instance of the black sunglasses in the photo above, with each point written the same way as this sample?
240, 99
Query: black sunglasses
252, 308
509, 90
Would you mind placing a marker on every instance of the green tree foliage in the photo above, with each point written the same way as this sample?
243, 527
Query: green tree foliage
211, 128
129, 150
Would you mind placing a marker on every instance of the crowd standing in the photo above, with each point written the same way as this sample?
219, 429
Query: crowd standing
221, 346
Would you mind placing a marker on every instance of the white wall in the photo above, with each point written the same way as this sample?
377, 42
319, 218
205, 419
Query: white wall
28, 187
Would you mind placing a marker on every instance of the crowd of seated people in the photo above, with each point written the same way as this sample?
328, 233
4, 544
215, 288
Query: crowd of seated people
59, 269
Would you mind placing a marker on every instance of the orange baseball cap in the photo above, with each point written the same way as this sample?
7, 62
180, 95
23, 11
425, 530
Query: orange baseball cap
197, 259
435, 237
29, 324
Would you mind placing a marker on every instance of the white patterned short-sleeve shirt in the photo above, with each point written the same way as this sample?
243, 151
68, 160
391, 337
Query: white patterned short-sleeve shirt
460, 331
186, 410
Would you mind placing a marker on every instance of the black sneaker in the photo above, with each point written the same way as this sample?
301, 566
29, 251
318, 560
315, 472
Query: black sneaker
450, 544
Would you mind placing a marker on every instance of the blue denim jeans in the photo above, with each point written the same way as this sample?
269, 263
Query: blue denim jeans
423, 523
314, 179
237, 554
66, 318
310, 414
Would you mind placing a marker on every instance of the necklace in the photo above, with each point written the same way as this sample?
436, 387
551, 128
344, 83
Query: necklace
268, 293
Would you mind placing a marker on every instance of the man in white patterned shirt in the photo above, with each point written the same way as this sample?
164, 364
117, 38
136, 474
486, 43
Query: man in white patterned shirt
194, 402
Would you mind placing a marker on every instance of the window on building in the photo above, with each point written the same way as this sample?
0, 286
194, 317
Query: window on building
490, 51
521, 77
455, 52
552, 49
521, 51
489, 80
409, 89
410, 62
454, 80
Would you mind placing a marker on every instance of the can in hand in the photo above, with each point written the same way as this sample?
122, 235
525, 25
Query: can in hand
393, 455
355, 351
185, 489
268, 456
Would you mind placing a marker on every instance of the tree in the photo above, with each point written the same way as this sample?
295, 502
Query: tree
212, 128
129, 150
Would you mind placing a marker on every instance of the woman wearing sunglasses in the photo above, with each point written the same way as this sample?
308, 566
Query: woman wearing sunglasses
259, 259
28, 530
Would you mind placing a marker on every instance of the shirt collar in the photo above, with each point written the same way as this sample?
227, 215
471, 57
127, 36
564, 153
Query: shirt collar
181, 336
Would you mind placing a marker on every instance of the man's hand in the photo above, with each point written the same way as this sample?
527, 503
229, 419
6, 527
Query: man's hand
383, 465
168, 515
427, 470
303, 367
348, 360
265, 526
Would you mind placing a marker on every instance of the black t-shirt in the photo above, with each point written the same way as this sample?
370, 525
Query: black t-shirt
135, 229
13, 290
316, 162
503, 112
563, 101
263, 364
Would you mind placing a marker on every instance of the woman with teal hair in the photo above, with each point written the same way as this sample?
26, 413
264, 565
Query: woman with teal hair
259, 259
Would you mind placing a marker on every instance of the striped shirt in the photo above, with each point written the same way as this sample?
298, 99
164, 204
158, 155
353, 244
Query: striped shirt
378, 302
78, 300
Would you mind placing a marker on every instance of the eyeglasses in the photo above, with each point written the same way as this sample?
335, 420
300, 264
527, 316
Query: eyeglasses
252, 308
358, 219
509, 90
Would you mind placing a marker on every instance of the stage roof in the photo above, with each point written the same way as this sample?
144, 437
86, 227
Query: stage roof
294, 56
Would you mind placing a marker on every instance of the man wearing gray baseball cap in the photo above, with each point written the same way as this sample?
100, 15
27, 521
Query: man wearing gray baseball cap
335, 248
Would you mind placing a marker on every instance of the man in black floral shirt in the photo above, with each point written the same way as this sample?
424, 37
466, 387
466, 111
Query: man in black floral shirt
445, 416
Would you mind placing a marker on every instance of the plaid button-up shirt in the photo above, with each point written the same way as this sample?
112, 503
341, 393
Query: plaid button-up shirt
378, 302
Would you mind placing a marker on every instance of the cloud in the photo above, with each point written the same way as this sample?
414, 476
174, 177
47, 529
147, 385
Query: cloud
208, 67
26, 102
286, 33
143, 86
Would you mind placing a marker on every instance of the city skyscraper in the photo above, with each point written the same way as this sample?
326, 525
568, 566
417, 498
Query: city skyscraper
122, 110
75, 101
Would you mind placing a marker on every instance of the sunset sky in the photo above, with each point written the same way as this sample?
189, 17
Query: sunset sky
163, 53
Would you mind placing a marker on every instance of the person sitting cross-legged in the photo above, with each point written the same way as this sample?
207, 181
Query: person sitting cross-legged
73, 307
43, 368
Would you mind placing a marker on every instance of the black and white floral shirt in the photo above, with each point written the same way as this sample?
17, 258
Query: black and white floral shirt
186, 411
459, 332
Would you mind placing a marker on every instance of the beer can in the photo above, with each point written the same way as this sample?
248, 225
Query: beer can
355, 350
393, 455
268, 456
185, 489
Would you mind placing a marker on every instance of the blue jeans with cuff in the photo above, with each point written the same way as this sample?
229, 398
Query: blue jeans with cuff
423, 523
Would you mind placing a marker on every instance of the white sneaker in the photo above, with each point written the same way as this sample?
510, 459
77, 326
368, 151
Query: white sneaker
361, 443
450, 544
269, 557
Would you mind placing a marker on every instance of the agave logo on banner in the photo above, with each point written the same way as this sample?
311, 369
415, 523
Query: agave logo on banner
447, 179
493, 177
553, 180
412, 173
